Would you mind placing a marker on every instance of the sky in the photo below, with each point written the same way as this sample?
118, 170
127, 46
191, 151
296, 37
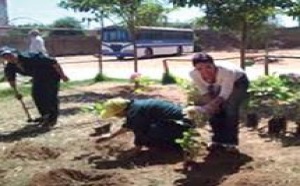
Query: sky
47, 11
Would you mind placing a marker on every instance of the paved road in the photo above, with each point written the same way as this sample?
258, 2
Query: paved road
153, 68
86, 67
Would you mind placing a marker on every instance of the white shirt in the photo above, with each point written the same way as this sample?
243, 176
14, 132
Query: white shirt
37, 45
227, 74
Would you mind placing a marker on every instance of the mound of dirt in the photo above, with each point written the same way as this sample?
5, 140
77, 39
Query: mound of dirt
69, 177
28, 150
2, 172
256, 179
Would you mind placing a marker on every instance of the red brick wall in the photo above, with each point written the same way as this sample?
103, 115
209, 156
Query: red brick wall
57, 46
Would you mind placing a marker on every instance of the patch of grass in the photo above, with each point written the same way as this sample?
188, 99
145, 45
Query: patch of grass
70, 84
119, 80
2, 78
25, 89
8, 92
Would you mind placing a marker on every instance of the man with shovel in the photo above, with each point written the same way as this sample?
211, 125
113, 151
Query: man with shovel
46, 74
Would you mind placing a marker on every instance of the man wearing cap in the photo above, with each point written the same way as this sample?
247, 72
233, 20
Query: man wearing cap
46, 74
225, 87
154, 122
37, 44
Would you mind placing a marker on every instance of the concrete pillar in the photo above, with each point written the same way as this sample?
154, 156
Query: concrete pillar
3, 13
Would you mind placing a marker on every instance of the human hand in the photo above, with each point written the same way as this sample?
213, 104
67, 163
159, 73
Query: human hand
131, 153
212, 108
192, 111
103, 138
65, 78
18, 96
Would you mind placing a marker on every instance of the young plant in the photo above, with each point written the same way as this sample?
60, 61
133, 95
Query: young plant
191, 143
141, 83
193, 94
270, 87
278, 123
96, 108
193, 98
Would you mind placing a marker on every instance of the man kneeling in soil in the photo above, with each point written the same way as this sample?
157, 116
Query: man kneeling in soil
155, 123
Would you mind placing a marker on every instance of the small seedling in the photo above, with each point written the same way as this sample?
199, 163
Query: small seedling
191, 143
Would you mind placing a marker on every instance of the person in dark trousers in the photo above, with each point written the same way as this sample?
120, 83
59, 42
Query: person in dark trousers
46, 74
155, 123
224, 87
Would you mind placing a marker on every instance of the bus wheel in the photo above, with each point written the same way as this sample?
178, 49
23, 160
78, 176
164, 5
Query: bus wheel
148, 53
120, 58
179, 50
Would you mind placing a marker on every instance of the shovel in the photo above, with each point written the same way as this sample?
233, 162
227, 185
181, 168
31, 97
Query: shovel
19, 97
29, 118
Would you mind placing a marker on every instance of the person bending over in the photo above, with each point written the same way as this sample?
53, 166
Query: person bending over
155, 123
46, 74
224, 87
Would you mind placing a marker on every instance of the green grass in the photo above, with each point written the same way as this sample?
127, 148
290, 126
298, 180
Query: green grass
9, 93
25, 89
2, 76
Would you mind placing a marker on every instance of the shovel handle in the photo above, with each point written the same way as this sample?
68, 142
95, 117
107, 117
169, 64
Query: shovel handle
25, 109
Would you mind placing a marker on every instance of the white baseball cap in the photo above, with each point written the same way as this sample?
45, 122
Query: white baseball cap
6, 51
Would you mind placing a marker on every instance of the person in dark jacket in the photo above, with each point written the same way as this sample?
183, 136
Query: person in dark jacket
46, 74
155, 123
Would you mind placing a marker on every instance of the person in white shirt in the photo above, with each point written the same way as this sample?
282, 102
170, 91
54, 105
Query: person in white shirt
37, 44
224, 86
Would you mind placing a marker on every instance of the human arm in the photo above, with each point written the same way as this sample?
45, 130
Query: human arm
10, 76
14, 87
226, 83
211, 107
60, 71
214, 105
109, 136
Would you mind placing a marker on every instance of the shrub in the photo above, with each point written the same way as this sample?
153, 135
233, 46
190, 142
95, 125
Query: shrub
168, 78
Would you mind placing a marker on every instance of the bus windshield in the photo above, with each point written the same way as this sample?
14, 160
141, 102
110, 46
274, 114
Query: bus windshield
115, 35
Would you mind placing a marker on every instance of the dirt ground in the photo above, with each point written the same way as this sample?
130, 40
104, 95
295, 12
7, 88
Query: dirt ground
67, 156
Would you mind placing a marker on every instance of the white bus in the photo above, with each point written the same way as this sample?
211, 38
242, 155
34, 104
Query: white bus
150, 41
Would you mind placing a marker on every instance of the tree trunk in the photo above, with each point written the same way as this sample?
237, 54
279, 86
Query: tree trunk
243, 44
100, 59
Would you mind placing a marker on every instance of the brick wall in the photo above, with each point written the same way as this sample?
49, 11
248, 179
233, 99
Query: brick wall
57, 46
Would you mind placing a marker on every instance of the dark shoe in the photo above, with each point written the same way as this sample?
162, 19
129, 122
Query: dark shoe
48, 123
232, 149
37, 120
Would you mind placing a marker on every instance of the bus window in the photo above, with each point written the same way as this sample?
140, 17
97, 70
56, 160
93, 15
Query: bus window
115, 35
